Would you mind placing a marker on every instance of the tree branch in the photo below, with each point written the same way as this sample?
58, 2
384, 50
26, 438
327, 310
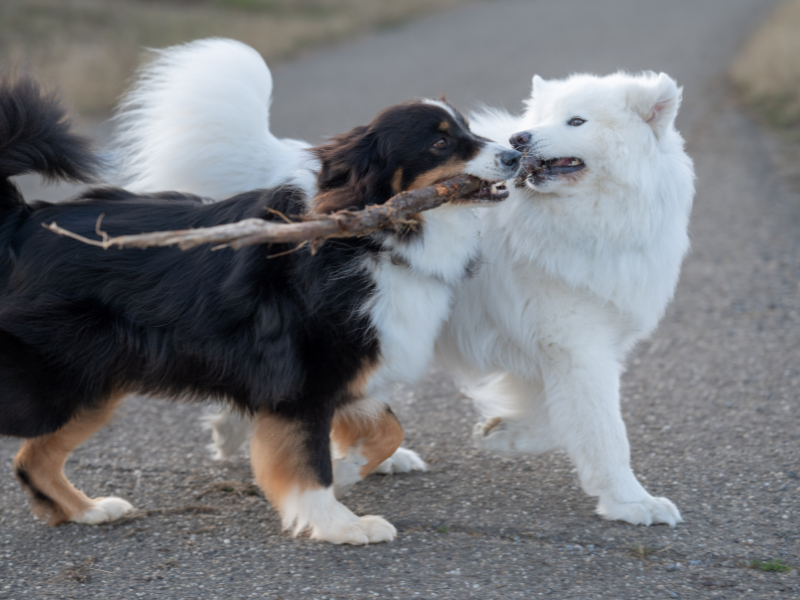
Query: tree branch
399, 211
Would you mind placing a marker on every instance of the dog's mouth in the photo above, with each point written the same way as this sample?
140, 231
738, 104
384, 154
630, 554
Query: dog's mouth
490, 191
540, 169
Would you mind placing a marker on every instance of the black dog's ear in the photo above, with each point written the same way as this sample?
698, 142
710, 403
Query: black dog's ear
351, 171
345, 159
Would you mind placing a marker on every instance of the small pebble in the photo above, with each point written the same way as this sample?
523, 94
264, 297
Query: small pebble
672, 568
672, 594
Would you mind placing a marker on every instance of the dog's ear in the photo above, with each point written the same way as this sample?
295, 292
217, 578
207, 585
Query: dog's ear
539, 86
352, 171
344, 159
656, 100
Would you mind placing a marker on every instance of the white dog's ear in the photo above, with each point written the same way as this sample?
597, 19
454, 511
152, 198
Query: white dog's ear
656, 102
539, 85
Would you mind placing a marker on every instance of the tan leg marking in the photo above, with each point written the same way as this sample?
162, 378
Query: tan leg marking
376, 438
283, 471
39, 466
279, 459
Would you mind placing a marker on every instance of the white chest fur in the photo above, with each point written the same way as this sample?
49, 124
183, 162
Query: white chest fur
414, 298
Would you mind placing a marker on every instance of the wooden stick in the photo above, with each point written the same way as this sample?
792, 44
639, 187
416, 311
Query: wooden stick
397, 212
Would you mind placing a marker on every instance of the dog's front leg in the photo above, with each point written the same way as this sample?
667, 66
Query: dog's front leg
582, 390
291, 459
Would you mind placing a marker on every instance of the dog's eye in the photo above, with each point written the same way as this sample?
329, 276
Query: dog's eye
576, 121
440, 143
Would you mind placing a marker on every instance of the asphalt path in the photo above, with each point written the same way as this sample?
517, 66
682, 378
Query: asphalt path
710, 401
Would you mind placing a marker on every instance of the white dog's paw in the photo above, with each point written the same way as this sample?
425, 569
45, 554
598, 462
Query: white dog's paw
402, 461
104, 510
229, 431
497, 435
506, 436
648, 511
366, 530
491, 435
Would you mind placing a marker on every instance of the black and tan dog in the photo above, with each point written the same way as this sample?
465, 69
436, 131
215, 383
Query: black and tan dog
304, 343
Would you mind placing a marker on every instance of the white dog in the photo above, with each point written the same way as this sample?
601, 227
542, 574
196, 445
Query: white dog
581, 260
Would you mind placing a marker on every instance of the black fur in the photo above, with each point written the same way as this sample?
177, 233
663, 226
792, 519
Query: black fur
79, 324
36, 135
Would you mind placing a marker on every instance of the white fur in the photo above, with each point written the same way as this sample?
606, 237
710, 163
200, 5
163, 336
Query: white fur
328, 520
103, 510
229, 430
197, 121
402, 461
578, 271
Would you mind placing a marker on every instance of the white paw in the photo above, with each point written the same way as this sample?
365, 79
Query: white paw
366, 530
104, 510
402, 461
648, 511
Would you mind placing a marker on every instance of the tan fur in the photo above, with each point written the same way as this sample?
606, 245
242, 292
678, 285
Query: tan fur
397, 181
42, 459
444, 126
450, 169
279, 458
377, 437
332, 201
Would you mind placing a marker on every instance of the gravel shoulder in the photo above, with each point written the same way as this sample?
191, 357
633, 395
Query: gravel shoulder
710, 401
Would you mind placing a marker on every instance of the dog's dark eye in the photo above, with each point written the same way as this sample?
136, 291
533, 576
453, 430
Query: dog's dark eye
440, 143
576, 121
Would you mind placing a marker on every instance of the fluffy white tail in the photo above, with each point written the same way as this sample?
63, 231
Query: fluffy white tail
197, 121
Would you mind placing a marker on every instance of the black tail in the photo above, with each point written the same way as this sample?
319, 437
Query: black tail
36, 134
35, 137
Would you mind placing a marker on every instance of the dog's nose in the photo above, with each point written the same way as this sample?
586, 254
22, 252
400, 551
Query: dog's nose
520, 140
511, 158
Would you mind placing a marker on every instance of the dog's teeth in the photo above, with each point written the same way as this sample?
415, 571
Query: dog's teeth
574, 162
493, 189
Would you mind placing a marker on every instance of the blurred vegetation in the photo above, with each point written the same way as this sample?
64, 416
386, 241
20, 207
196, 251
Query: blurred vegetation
92, 47
767, 71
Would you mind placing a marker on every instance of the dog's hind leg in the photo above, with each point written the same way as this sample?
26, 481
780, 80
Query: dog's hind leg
292, 464
520, 424
365, 435
229, 431
39, 468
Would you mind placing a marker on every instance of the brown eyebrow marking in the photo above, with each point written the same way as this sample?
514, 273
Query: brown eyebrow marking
444, 126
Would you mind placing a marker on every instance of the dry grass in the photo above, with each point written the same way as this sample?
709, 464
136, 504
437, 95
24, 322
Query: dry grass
767, 71
91, 47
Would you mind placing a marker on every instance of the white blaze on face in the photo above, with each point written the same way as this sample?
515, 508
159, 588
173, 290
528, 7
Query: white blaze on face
488, 164
443, 105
